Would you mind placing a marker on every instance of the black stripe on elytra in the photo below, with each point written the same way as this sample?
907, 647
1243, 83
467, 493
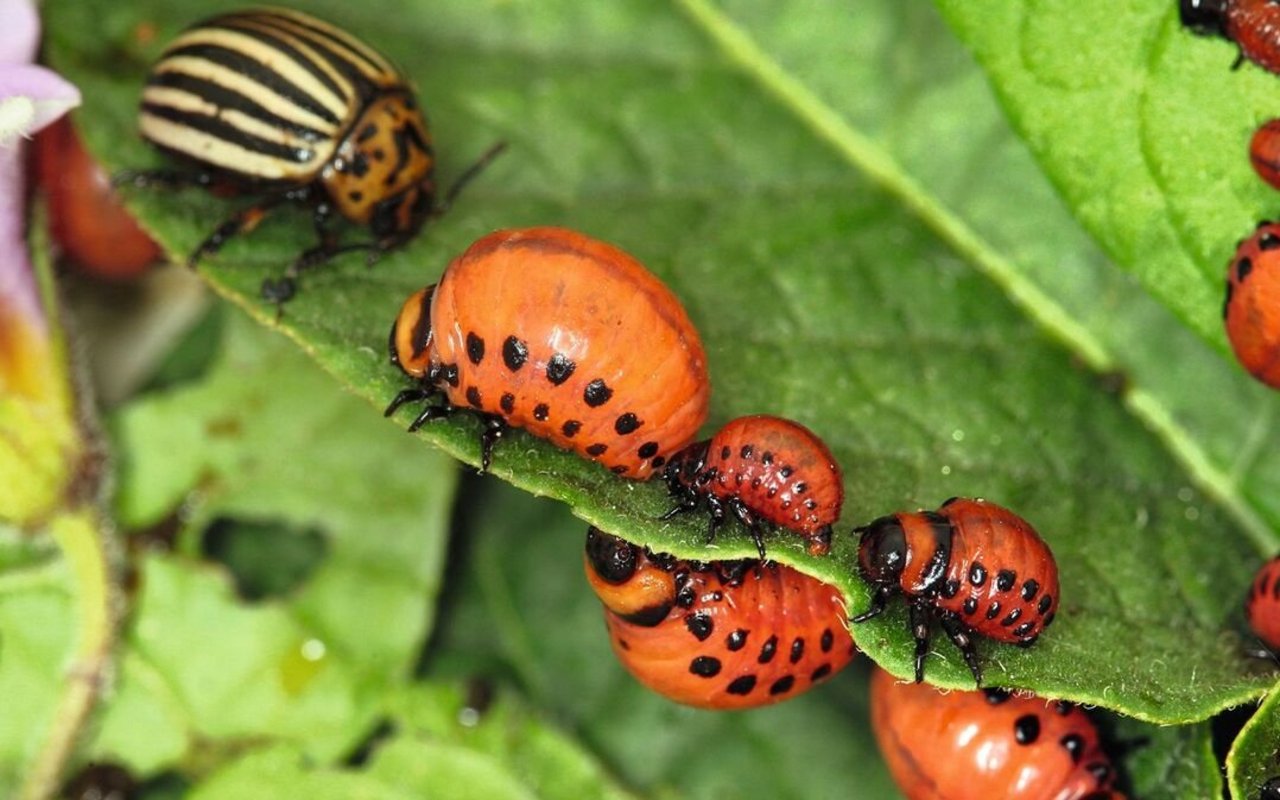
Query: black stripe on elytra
221, 129
257, 72
327, 43
222, 97
272, 40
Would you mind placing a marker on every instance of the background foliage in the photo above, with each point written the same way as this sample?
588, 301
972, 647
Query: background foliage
977, 248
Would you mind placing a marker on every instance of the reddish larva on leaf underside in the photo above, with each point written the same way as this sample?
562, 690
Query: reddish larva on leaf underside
727, 634
986, 744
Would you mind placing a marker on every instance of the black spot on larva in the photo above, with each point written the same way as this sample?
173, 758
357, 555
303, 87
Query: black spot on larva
736, 640
797, 649
597, 449
559, 368
450, 375
475, 348
508, 402
996, 696
700, 625
993, 610
820, 673
355, 195
597, 393
828, 639
541, 411
742, 685
618, 470
1011, 618
1268, 241
1243, 267
1029, 589
1048, 620
514, 353
570, 428
1063, 708
782, 685
1226, 301
1045, 602
1024, 628
951, 588
746, 451
1100, 771
1074, 743
686, 596
648, 450
970, 604
725, 452
473, 397
811, 504
1005, 579
800, 487
786, 472
627, 423
705, 666
768, 650
766, 458
624, 644
659, 461
1026, 729
977, 574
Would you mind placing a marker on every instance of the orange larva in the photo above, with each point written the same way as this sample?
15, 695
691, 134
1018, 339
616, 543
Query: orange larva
568, 337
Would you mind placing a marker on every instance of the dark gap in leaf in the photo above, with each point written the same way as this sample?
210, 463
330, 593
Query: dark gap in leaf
165, 786
1226, 727
192, 356
381, 732
106, 781
1119, 747
266, 558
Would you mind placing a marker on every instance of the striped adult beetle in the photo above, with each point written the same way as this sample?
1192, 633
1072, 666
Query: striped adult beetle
280, 104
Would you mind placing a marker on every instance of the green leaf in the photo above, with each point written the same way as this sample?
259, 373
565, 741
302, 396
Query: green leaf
836, 279
438, 752
264, 446
521, 611
1255, 755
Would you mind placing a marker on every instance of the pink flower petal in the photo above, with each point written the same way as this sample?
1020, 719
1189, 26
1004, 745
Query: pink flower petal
21, 31
49, 94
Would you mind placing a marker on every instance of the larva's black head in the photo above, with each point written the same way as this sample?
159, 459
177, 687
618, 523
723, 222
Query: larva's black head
1205, 17
882, 550
614, 560
683, 468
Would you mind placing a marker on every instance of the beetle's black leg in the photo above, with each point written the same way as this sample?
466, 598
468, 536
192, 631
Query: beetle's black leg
921, 619
960, 636
878, 600
243, 221
687, 501
164, 178
495, 428
466, 177
745, 516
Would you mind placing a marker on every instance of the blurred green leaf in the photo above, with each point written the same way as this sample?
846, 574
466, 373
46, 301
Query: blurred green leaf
264, 438
728, 148
1255, 756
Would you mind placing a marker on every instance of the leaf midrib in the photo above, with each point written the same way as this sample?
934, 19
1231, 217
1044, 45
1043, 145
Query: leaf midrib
884, 170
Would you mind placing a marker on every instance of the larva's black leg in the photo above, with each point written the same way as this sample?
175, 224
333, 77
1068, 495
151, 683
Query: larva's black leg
878, 600
685, 502
415, 394
959, 635
495, 428
429, 413
716, 519
921, 616
744, 515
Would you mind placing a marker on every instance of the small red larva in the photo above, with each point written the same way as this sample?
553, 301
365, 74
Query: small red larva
1262, 606
725, 634
972, 566
1254, 26
1264, 152
986, 744
761, 469
560, 334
